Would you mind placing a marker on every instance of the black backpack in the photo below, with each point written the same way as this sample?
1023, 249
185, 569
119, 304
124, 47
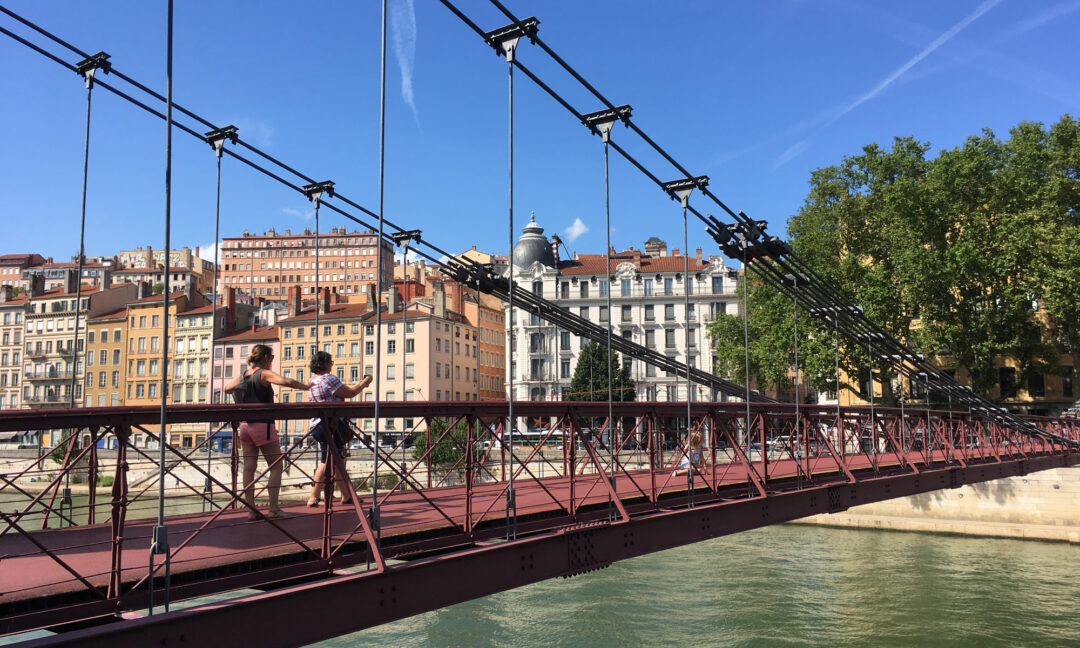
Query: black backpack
245, 391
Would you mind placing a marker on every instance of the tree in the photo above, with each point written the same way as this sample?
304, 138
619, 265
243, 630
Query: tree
159, 288
953, 255
590, 380
445, 452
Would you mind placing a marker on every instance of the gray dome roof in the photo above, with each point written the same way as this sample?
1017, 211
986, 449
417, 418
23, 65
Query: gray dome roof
533, 246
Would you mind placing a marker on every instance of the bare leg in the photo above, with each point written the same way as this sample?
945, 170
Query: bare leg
251, 462
316, 488
272, 453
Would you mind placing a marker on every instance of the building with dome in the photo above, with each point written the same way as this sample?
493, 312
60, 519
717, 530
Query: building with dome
647, 291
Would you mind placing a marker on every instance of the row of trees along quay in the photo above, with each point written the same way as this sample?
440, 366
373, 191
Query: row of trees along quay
589, 383
969, 257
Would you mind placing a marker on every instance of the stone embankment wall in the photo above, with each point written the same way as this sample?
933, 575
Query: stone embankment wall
1039, 506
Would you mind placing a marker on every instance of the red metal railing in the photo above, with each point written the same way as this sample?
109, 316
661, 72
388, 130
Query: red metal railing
70, 554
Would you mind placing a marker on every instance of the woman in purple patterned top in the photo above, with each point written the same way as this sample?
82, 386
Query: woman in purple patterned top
326, 387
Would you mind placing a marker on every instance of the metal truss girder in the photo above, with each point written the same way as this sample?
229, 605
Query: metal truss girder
408, 589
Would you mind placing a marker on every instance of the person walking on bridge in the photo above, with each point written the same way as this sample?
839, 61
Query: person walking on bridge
326, 387
254, 386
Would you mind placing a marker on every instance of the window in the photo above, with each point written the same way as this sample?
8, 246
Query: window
391, 346
669, 312
564, 290
669, 285
1007, 382
103, 357
391, 327
409, 345
409, 371
391, 371
625, 287
648, 287
603, 287
564, 340
564, 369
584, 312
1036, 385
583, 289
627, 313
650, 315
650, 338
717, 285
669, 338
369, 347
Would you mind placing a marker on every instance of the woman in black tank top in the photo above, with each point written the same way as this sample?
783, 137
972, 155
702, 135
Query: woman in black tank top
257, 436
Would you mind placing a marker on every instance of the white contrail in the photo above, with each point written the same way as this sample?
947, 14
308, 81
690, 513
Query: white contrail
403, 34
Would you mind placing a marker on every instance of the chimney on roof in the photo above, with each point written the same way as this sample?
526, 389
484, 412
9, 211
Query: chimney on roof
699, 254
71, 280
294, 301
324, 301
36, 285
230, 297
288, 232
393, 300
5, 294
106, 279
675, 252
440, 299
372, 300
143, 290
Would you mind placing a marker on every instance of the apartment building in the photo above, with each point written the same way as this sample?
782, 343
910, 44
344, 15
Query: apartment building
12, 266
266, 265
55, 275
144, 340
12, 310
647, 299
201, 270
106, 366
180, 279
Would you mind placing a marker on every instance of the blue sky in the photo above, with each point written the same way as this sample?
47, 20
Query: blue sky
754, 94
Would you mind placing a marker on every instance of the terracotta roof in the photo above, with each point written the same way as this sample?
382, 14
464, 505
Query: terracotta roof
21, 299
156, 298
260, 333
337, 311
6, 257
58, 292
72, 265
116, 314
200, 310
177, 270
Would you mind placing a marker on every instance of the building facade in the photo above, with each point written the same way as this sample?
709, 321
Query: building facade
12, 310
648, 301
266, 265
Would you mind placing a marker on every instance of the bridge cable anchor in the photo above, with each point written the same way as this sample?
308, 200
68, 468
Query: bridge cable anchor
315, 191
216, 138
504, 40
91, 64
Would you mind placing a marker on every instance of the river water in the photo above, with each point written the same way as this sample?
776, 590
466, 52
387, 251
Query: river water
785, 585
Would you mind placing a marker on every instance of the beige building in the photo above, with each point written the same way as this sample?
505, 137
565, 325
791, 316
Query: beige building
106, 339
230, 360
12, 310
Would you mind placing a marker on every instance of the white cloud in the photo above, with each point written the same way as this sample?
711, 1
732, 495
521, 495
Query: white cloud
403, 35
206, 252
827, 117
945, 37
305, 214
575, 230
791, 153
254, 132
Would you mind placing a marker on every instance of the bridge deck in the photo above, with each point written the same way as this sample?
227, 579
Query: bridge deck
232, 539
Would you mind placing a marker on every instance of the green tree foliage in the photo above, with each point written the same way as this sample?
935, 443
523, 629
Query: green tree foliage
446, 452
590, 380
953, 254
159, 288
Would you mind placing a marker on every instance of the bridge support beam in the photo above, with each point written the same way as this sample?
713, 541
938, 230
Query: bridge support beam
407, 589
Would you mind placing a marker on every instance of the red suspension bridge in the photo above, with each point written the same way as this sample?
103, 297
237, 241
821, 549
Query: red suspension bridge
596, 485
440, 533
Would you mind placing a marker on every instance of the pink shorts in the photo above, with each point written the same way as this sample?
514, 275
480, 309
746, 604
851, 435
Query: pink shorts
257, 433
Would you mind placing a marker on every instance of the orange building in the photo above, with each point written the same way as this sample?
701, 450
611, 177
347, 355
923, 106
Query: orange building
266, 265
